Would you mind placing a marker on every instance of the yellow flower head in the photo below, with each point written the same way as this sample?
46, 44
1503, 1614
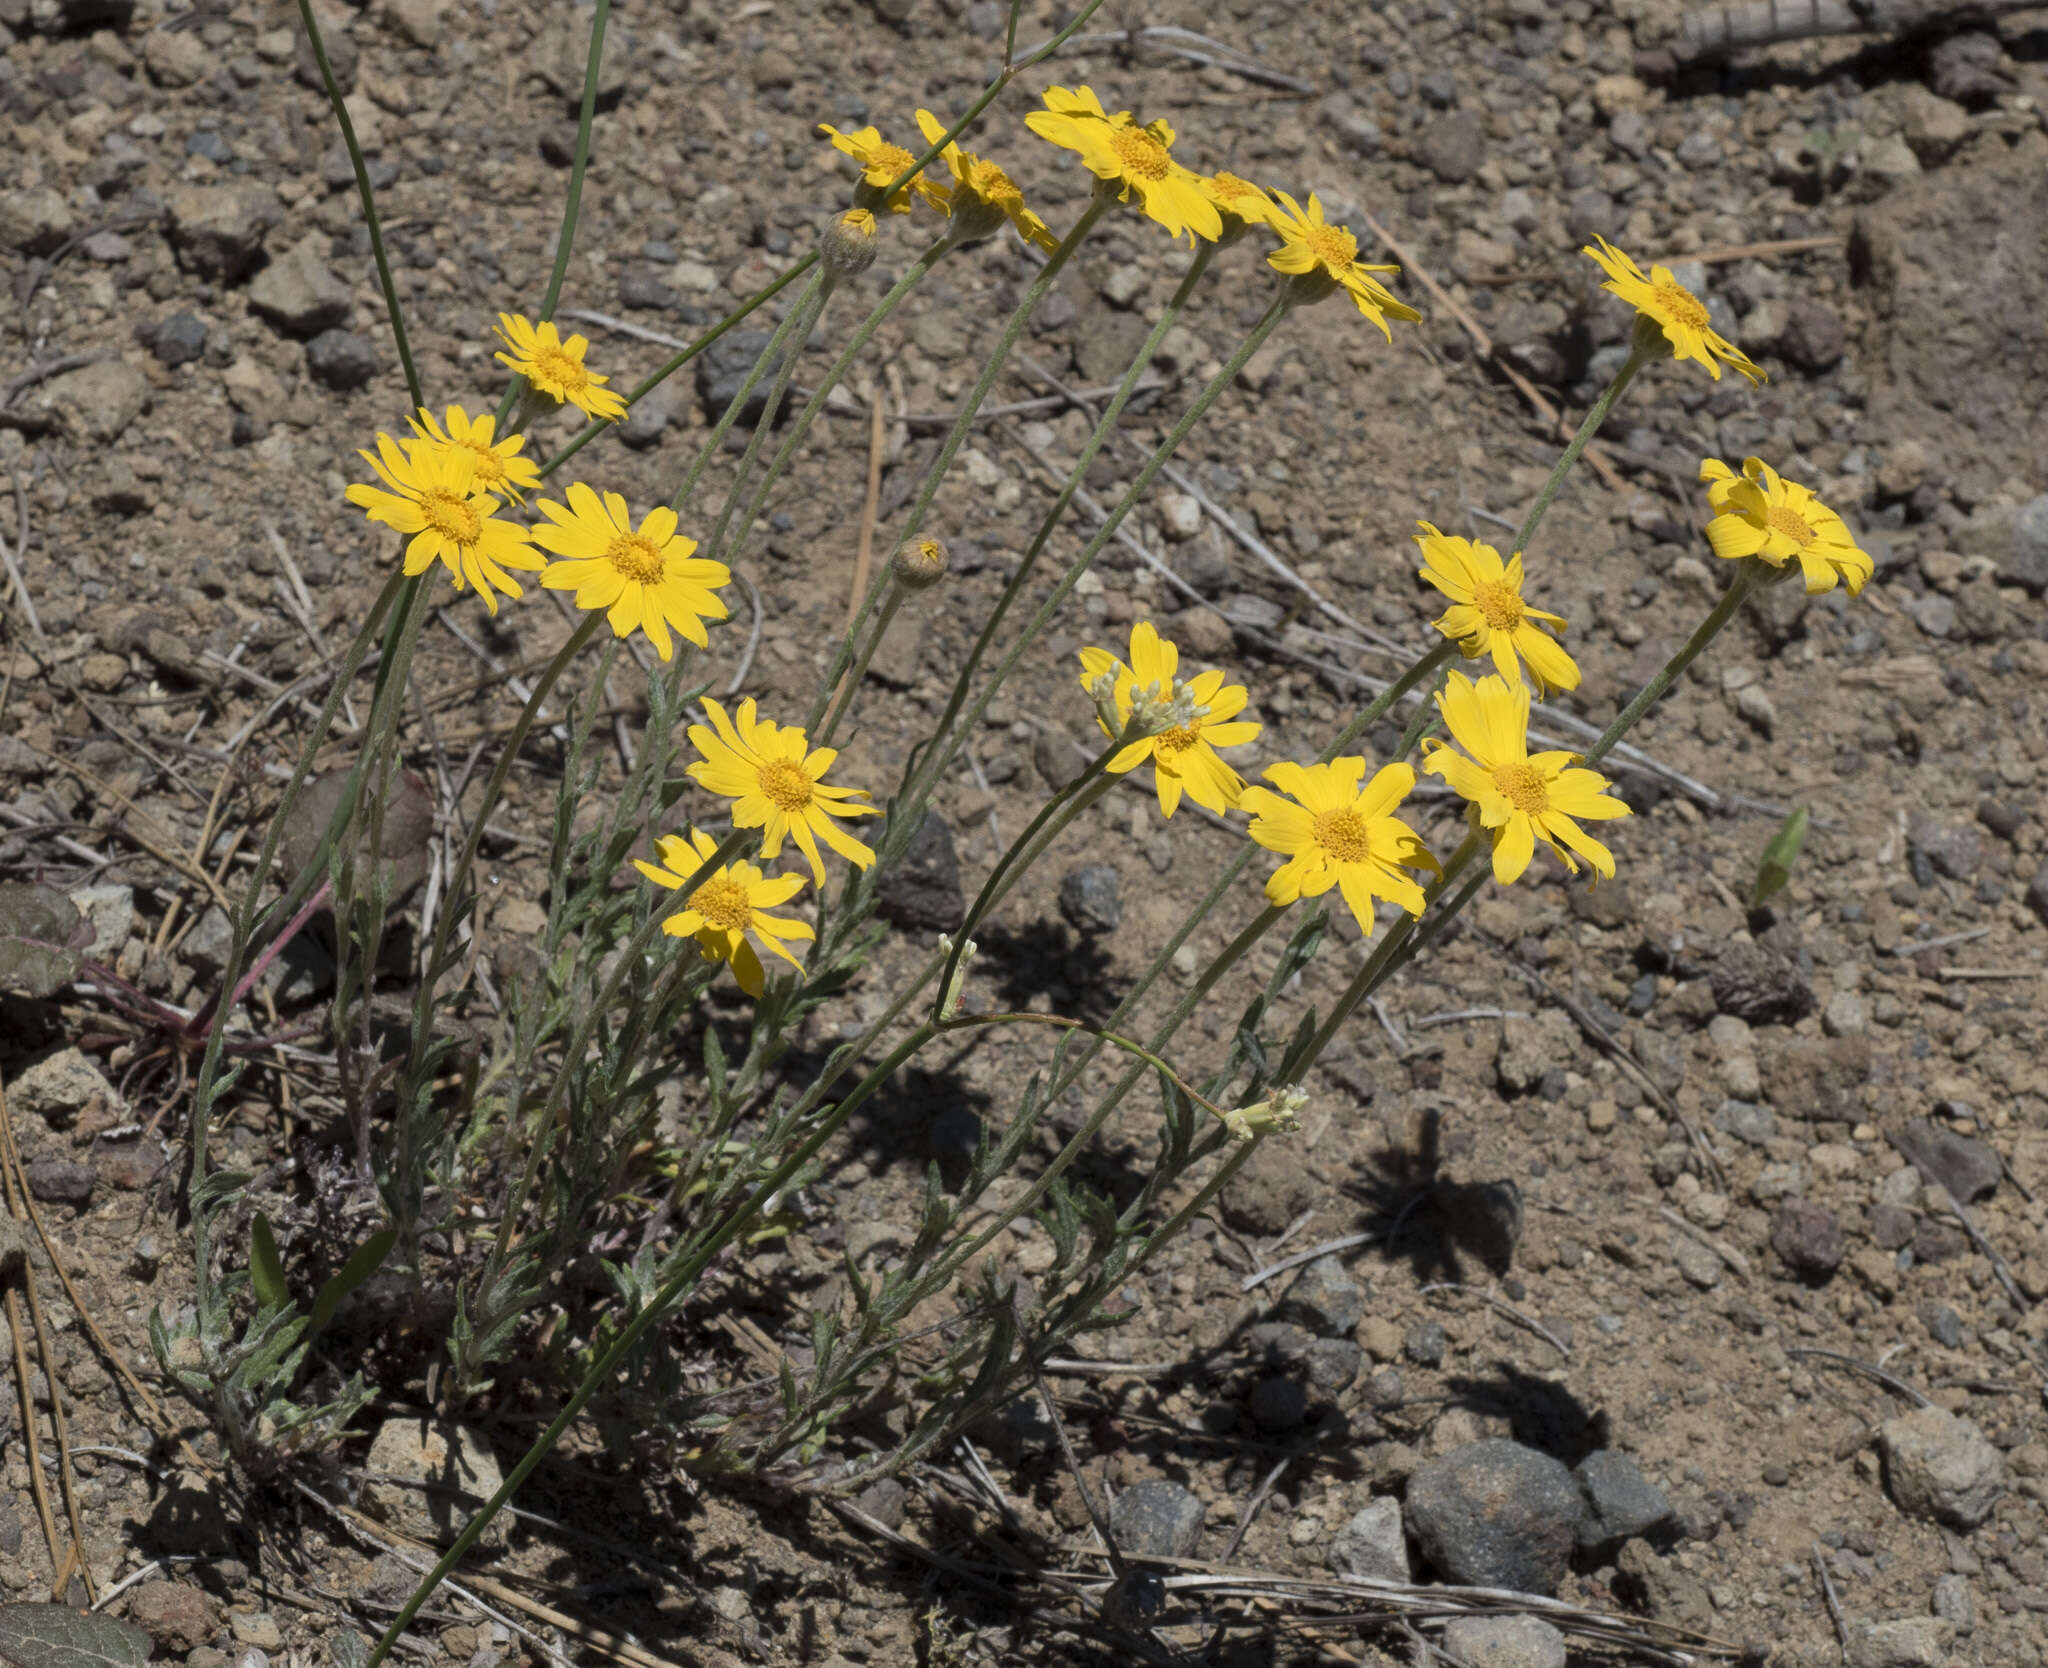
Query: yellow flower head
435, 498
722, 908
555, 366
1239, 197
1518, 797
1760, 513
982, 191
1335, 834
499, 467
776, 782
881, 166
1665, 302
1487, 614
1117, 150
646, 577
1183, 757
1310, 245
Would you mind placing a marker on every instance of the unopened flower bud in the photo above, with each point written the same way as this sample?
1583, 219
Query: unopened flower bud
920, 564
849, 246
1157, 708
949, 1003
1103, 693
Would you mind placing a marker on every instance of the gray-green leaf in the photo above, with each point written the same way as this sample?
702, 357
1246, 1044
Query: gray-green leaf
1774, 873
41, 934
55, 1636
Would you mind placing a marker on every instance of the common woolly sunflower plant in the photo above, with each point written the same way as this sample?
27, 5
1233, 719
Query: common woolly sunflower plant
529, 1101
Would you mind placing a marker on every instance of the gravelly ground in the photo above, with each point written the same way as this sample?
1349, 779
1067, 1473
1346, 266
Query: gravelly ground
178, 214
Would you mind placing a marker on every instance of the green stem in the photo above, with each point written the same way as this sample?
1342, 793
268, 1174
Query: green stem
494, 785
572, 202
1747, 577
892, 600
731, 413
1377, 966
1052, 819
1104, 427
369, 201
1637, 357
800, 429
245, 917
920, 777
597, 426
686, 1275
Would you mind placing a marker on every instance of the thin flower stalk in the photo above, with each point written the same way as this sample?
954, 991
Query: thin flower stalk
393, 312
1640, 353
731, 321
800, 426
946, 743
1746, 579
1098, 437
689, 1271
1098, 205
586, 112
250, 908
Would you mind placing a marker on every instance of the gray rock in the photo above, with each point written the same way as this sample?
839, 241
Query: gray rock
1968, 1168
1934, 614
1813, 337
1807, 1239
1333, 1364
1935, 847
35, 221
1452, 147
2037, 892
1943, 1324
1953, 1604
58, 1182
1157, 1519
1089, 898
179, 339
206, 946
341, 359
1939, 1465
454, 1457
1621, 1503
1373, 1544
218, 230
922, 888
111, 910
299, 293
2014, 537
644, 425
97, 402
1847, 1015
1969, 67
1891, 1227
884, 1501
1907, 1642
1746, 1121
1424, 1345
1325, 1298
1699, 1265
1496, 1514
1504, 1642
1760, 985
59, 1087
1528, 1049
722, 370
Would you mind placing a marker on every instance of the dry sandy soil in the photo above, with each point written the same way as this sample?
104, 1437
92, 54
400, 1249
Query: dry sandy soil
1551, 1258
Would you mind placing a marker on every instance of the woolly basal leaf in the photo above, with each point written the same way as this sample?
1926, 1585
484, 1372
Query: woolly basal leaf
54, 1636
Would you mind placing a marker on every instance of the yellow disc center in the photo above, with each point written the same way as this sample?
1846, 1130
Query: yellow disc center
1139, 155
992, 185
556, 370
1232, 189
1178, 739
892, 162
723, 902
1682, 305
1498, 605
490, 468
1782, 518
1334, 248
783, 781
451, 515
1342, 834
1522, 786
635, 559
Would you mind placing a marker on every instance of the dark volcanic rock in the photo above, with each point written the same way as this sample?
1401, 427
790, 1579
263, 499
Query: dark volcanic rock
922, 889
1496, 1514
1807, 1239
